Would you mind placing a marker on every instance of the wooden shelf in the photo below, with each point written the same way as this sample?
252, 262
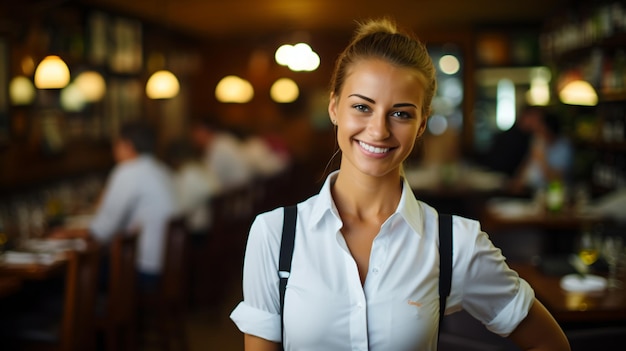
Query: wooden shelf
617, 96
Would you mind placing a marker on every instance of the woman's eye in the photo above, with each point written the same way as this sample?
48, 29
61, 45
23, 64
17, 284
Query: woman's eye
361, 108
401, 114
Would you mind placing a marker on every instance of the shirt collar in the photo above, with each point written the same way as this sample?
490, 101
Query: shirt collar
324, 204
409, 207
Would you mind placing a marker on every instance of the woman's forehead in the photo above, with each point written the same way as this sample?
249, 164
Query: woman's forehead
376, 74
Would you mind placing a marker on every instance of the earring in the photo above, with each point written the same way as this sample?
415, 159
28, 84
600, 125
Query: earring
334, 121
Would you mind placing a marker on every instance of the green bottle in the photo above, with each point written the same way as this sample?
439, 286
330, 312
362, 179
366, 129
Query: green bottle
555, 196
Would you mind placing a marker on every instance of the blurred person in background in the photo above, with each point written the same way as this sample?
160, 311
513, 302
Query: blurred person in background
550, 155
138, 196
266, 155
508, 148
222, 154
194, 185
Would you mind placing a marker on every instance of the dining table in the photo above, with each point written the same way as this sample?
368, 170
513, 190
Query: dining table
38, 259
502, 213
573, 306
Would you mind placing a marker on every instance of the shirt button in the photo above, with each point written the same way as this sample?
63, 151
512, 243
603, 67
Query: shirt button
375, 270
359, 305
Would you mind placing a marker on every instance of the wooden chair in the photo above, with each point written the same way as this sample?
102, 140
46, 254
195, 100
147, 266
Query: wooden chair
222, 257
73, 329
116, 317
163, 311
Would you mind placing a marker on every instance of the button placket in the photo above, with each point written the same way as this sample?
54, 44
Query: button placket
358, 315
377, 256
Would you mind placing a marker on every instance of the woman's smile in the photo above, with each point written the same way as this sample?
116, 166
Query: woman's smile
375, 151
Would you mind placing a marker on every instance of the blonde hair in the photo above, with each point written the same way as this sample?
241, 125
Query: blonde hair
382, 39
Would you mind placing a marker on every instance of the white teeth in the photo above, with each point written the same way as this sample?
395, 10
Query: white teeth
370, 148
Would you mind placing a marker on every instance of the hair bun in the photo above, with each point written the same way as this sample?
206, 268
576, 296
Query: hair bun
371, 26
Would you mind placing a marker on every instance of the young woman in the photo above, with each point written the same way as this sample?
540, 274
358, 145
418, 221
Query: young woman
365, 271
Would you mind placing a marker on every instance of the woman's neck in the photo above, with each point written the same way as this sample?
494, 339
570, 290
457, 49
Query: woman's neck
363, 196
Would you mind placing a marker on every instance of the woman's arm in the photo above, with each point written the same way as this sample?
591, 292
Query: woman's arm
539, 331
254, 343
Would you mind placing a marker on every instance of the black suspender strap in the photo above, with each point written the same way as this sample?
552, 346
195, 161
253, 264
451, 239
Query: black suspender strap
286, 253
445, 262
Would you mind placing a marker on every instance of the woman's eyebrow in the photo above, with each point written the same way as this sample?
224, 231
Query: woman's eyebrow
402, 104
363, 97
405, 104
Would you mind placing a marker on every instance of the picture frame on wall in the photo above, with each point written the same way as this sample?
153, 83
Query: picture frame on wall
98, 37
125, 50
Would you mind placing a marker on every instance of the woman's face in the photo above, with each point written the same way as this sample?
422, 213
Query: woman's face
378, 116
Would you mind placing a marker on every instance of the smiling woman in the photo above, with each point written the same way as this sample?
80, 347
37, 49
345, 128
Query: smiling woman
365, 266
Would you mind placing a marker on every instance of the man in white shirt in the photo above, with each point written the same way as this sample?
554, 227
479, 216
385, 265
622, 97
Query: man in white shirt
138, 196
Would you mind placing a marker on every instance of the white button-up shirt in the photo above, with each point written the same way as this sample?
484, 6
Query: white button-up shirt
327, 308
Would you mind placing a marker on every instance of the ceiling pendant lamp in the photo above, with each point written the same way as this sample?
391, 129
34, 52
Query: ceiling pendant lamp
232, 89
284, 90
578, 92
21, 91
92, 85
162, 84
52, 73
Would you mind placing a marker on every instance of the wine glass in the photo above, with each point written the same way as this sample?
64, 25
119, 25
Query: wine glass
588, 249
611, 250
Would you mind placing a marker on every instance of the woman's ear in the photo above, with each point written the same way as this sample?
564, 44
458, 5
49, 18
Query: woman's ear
332, 109
422, 127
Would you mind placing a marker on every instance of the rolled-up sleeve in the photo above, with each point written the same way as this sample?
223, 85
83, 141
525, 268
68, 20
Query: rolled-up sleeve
514, 312
259, 312
492, 292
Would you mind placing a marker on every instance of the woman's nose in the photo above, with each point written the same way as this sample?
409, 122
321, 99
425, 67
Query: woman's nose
378, 127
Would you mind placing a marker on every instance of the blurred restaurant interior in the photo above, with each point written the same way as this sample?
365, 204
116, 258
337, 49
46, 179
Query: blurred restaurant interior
72, 72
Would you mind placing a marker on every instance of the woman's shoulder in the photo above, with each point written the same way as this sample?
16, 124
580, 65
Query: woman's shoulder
271, 216
464, 229
276, 215
266, 230
461, 223
468, 239
466, 226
